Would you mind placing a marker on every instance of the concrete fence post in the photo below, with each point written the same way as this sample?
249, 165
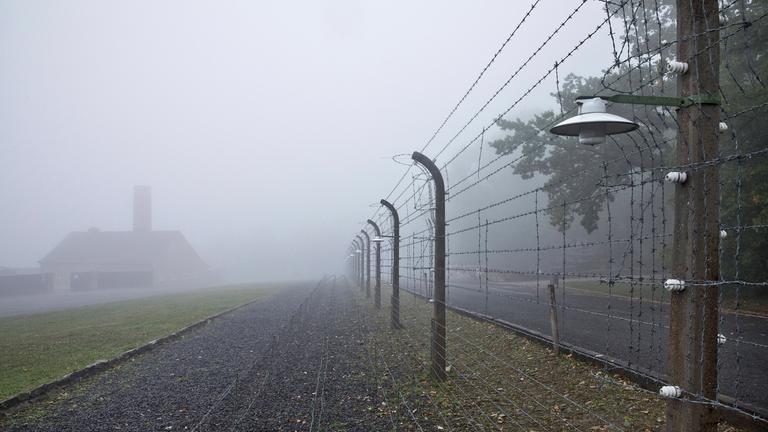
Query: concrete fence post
367, 259
438, 313
377, 271
395, 301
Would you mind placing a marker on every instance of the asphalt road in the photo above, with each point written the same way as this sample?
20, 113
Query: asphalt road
634, 330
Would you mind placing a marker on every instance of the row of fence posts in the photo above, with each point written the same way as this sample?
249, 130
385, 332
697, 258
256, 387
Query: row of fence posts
361, 248
678, 412
361, 266
692, 361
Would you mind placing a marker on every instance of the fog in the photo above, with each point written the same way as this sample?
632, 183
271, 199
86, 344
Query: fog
265, 129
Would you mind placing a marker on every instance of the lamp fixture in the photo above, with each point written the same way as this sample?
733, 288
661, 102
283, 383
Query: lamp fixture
593, 123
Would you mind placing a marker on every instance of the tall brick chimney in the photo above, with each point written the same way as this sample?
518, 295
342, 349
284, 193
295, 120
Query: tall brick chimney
142, 208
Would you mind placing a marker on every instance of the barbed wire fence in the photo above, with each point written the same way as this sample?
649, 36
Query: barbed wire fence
607, 249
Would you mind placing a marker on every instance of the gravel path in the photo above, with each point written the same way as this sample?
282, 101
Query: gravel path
295, 361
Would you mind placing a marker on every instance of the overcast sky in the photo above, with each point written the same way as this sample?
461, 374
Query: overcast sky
265, 128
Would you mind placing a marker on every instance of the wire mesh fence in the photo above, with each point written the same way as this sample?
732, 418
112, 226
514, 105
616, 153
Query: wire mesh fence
646, 252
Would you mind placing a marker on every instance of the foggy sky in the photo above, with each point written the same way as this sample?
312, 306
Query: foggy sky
265, 128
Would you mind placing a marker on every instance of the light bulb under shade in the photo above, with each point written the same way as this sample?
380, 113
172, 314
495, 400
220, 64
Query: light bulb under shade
592, 135
592, 128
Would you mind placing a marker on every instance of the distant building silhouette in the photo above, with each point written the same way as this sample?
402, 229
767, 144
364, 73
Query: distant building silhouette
97, 259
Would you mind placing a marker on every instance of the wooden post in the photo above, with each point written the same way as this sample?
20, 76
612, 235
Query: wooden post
553, 316
693, 317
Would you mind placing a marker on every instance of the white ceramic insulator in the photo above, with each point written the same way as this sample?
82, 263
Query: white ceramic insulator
676, 67
723, 234
721, 339
723, 126
676, 177
670, 392
674, 285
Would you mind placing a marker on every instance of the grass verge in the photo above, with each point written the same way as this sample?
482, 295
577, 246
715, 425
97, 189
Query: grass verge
38, 348
498, 380
748, 302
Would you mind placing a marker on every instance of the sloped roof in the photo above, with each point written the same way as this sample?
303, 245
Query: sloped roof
125, 247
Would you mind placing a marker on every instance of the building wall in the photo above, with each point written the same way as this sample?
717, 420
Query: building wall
73, 277
87, 281
24, 284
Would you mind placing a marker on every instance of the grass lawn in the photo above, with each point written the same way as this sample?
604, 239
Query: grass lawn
750, 301
38, 348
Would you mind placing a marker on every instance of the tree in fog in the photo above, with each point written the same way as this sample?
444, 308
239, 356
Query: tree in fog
576, 174
744, 190
575, 171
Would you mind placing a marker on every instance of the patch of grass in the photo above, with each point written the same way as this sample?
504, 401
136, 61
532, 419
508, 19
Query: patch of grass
621, 289
749, 302
498, 380
38, 348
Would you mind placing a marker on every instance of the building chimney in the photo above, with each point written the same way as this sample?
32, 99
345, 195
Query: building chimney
142, 209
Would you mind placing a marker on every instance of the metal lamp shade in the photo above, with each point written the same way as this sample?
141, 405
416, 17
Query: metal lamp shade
593, 124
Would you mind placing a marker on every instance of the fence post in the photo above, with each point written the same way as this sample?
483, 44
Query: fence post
692, 354
438, 313
377, 288
553, 315
352, 260
361, 274
367, 253
395, 263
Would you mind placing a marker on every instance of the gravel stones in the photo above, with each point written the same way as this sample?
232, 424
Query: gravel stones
289, 362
